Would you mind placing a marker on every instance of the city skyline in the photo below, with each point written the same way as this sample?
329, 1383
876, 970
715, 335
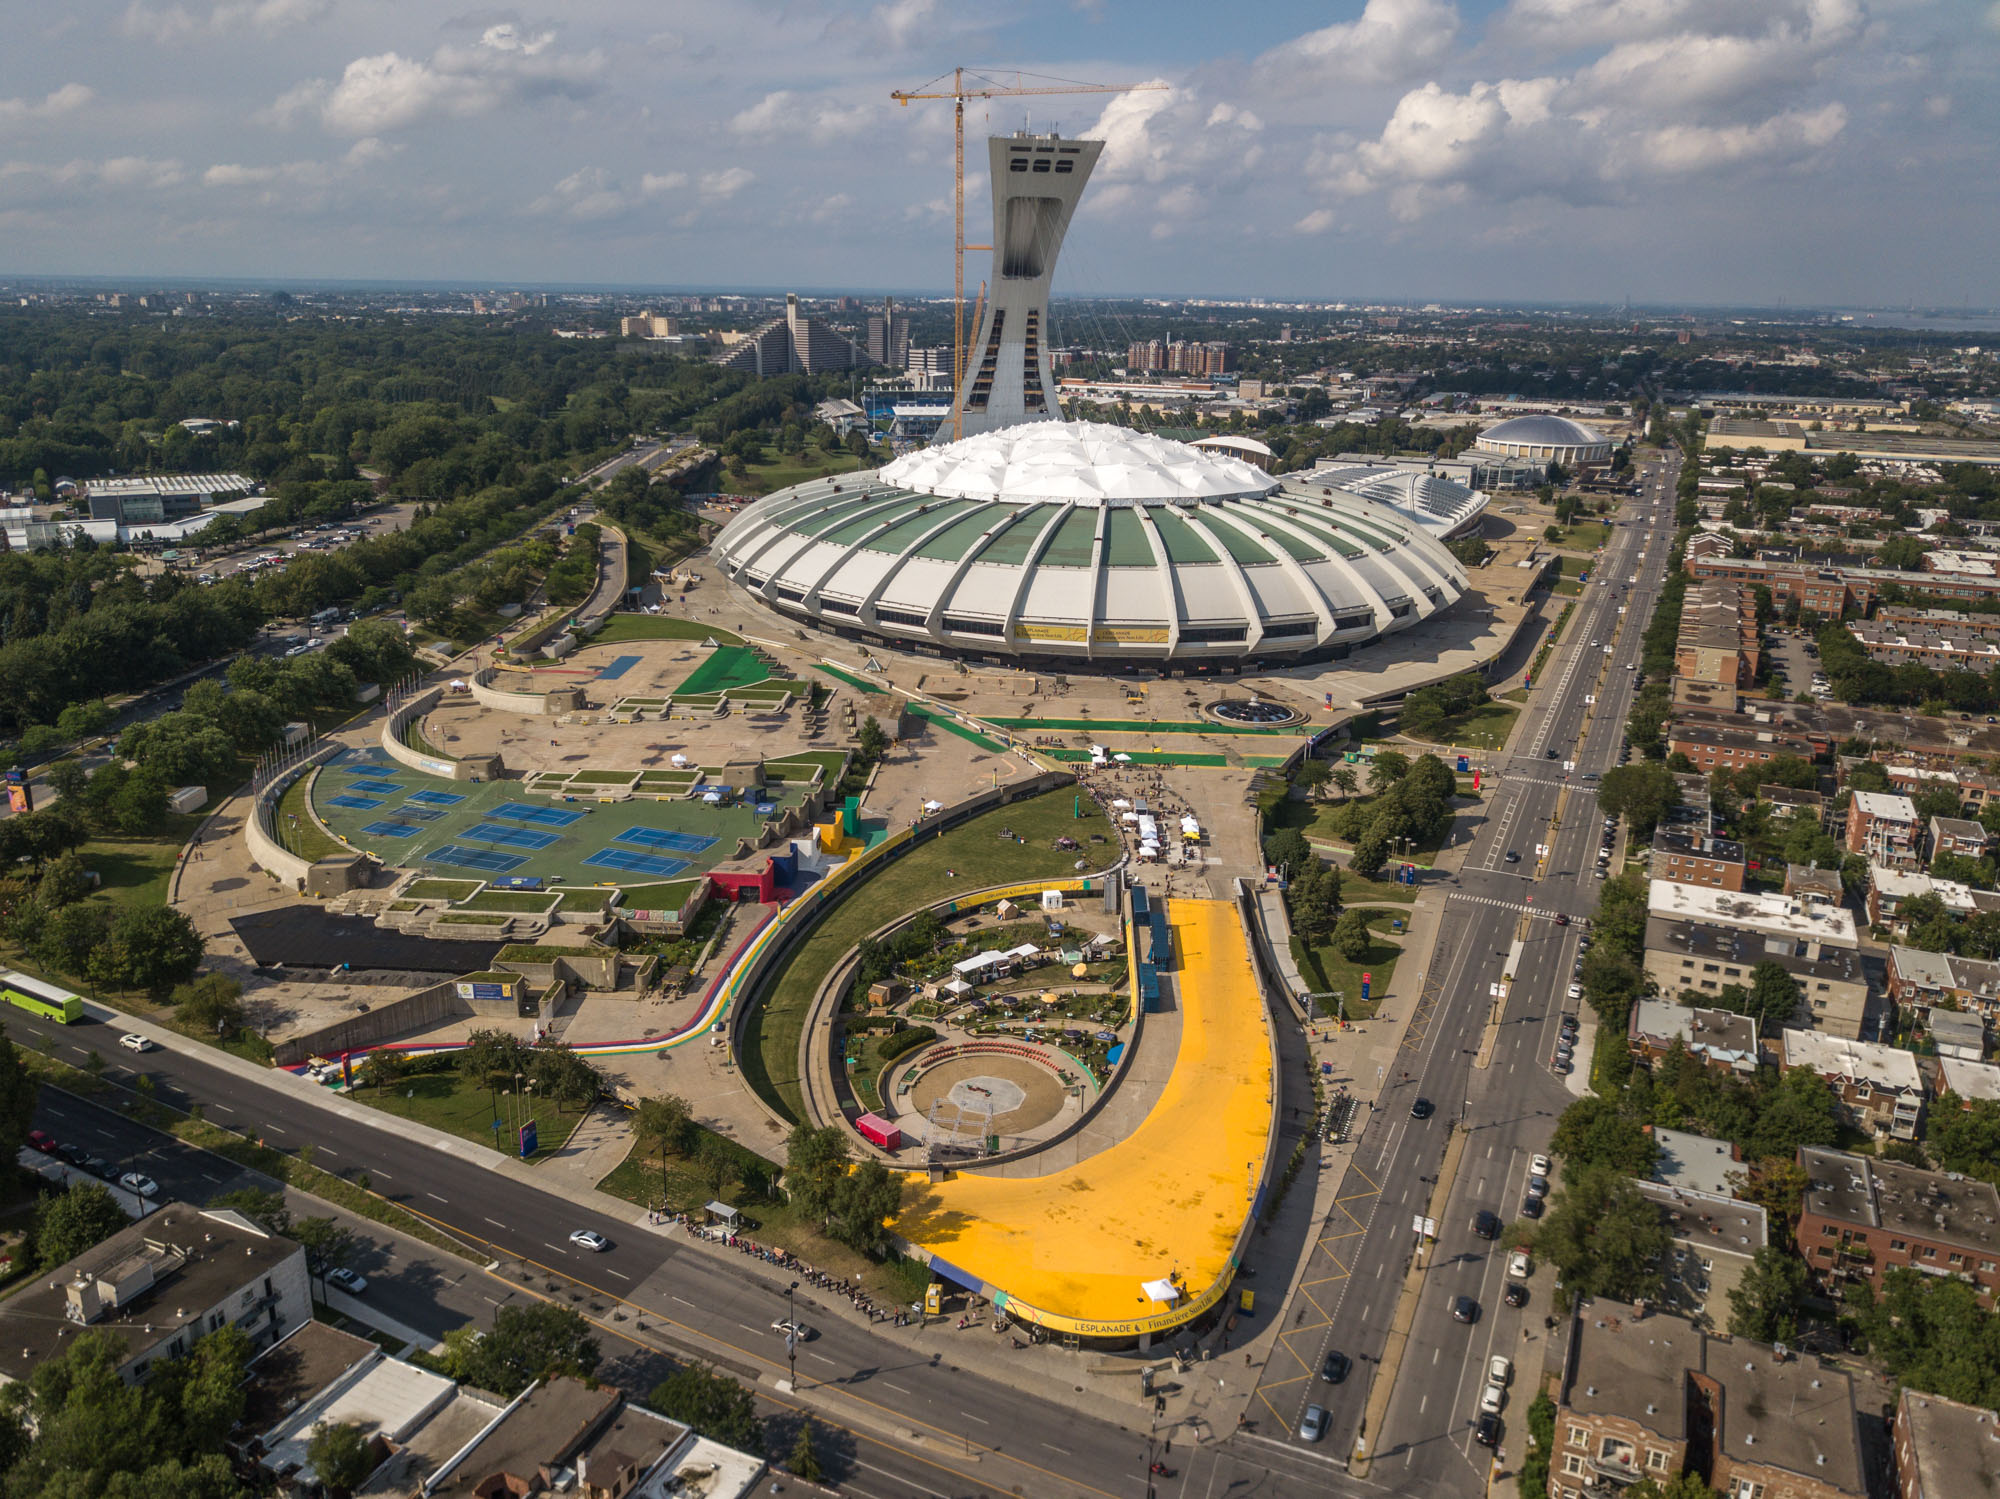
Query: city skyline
1529, 151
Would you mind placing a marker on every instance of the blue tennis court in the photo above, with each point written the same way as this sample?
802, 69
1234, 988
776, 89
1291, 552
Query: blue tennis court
618, 667
391, 828
408, 813
455, 857
355, 803
436, 798
548, 817
680, 843
378, 786
493, 832
653, 864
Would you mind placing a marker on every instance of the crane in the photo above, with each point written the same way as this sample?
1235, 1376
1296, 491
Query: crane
984, 87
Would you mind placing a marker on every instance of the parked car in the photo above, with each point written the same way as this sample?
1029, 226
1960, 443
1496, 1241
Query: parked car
1500, 1369
350, 1281
1520, 1264
42, 1140
134, 1181
1487, 1432
1531, 1206
1516, 1294
1540, 1166
1492, 1398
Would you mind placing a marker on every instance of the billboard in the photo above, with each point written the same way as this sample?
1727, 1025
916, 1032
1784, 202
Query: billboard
529, 1139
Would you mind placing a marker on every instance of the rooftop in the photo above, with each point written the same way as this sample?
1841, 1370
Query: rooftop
1927, 1205
1555, 431
1747, 948
1619, 1366
1694, 1162
1715, 1222
389, 1399
703, 1470
1795, 1413
1940, 970
1886, 804
160, 1275
1840, 1056
544, 1428
1718, 1034
1954, 1448
1783, 915
1698, 845
292, 1371
1077, 462
434, 1444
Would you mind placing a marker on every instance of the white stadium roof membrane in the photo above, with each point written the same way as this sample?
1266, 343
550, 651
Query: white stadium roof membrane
1076, 462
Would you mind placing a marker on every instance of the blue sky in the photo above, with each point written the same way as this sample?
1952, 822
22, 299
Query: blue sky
1708, 151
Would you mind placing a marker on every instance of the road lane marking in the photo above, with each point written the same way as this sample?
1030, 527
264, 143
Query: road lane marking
327, 1150
1051, 1446
498, 1224
896, 1387
556, 1247
619, 1273
685, 1302
435, 1198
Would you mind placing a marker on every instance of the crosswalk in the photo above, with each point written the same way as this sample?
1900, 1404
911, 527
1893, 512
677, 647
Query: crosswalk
1503, 905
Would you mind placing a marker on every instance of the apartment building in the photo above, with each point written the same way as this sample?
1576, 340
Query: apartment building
1875, 1087
1692, 858
1717, 640
1712, 748
1959, 835
1883, 828
1704, 957
1939, 647
1810, 882
1723, 1040
1654, 1396
1714, 1237
1944, 1450
1918, 980
1862, 1217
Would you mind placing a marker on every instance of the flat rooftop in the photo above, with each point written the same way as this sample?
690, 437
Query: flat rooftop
1841, 1056
1717, 1224
1071, 1250
549, 1424
292, 1371
1956, 1447
1926, 1205
1782, 915
1619, 1366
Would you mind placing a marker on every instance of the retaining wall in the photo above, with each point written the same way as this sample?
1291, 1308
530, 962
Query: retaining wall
413, 1012
264, 846
532, 703
392, 736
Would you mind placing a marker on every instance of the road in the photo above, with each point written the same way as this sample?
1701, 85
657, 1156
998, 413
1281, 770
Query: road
1542, 811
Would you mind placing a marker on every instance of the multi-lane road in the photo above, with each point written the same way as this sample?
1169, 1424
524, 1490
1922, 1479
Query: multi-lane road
1499, 923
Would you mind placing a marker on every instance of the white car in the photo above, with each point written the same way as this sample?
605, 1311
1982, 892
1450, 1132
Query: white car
133, 1042
1539, 1166
1520, 1264
347, 1280
1494, 1397
145, 1186
1500, 1370
798, 1330
1576, 991
591, 1239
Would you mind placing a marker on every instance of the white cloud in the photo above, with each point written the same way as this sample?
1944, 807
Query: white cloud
783, 113
904, 21
1389, 42
726, 183
389, 91
767, 116
1694, 148
1688, 68
587, 193
174, 23
655, 183
116, 171
61, 101
1317, 222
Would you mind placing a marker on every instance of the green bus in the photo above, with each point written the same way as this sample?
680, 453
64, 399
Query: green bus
68, 1011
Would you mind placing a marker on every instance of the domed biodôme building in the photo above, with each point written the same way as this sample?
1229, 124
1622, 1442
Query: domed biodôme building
1074, 544
1546, 439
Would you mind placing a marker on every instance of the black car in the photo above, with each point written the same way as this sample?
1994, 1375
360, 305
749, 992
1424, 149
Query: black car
1553, 754
1485, 1224
1512, 857
1423, 1108
76, 1155
1487, 1432
1531, 1207
1464, 1309
1516, 1294
1334, 1370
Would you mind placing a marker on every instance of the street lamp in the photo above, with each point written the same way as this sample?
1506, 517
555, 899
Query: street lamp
792, 1335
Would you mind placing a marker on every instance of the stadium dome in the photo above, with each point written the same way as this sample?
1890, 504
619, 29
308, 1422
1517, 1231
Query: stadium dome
1548, 439
1073, 543
1442, 506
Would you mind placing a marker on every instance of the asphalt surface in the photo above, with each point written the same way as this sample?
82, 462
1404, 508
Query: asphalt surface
1542, 810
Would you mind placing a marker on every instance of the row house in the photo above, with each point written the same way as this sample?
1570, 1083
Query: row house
1655, 1396
1861, 1217
1693, 858
1875, 1087
1918, 980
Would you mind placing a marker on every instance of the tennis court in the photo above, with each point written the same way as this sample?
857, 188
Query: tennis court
454, 857
435, 798
355, 803
680, 843
506, 837
647, 864
546, 817
390, 828
390, 787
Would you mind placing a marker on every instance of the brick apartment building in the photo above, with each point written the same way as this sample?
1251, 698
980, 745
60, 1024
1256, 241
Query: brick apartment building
1876, 1088
1862, 1217
1717, 640
1654, 1396
1883, 828
1692, 858
1723, 1040
1919, 979
1959, 835
1713, 748
1944, 1450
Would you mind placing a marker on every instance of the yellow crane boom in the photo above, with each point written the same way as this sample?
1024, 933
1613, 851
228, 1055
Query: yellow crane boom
983, 87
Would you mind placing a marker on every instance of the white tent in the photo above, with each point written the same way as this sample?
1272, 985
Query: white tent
978, 962
1161, 1290
1119, 804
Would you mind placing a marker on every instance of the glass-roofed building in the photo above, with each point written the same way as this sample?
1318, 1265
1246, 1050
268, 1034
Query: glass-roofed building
1077, 544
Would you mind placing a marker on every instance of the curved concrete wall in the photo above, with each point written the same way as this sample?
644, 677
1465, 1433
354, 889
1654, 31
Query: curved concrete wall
264, 848
506, 702
392, 737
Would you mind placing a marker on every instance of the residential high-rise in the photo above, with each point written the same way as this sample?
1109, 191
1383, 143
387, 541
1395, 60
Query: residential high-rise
889, 335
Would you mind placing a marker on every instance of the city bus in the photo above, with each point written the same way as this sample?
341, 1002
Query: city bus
68, 1010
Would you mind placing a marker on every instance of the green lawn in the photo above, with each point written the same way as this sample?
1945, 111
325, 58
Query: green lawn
520, 901
1485, 727
441, 889
976, 854
1315, 820
446, 1101
295, 828
1327, 970
1584, 536
136, 871
767, 478
1567, 587
621, 627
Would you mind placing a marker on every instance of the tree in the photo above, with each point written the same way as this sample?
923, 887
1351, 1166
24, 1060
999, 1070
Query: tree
63, 881
1642, 793
560, 1074
527, 1343
1611, 982
328, 1246
712, 1404
18, 1094
384, 1067
804, 1461
1593, 1133
1764, 1304
1964, 1134
1798, 1111
715, 1165
340, 1456
211, 1005
1350, 936
1288, 852
151, 948
67, 777
871, 741
863, 1200
1930, 1333
265, 1209
1344, 777
1387, 768
667, 1122
492, 1053
67, 1225
1775, 997
1603, 1237
1622, 909
1313, 775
